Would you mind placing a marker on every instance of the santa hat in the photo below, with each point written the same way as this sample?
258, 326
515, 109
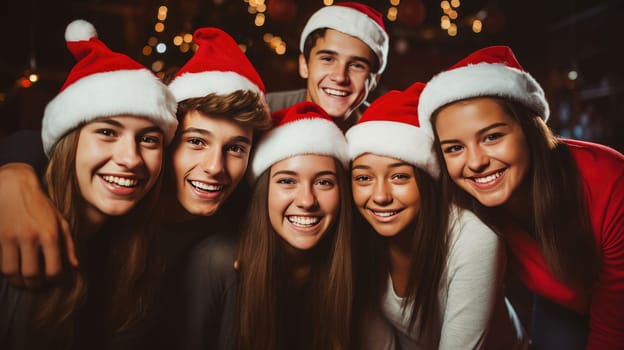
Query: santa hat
355, 19
389, 127
491, 71
104, 83
218, 66
303, 128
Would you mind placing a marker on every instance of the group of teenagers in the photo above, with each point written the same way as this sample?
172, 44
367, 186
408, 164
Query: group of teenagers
208, 214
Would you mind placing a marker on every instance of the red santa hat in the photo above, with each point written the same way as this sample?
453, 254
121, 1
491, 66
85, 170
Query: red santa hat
491, 71
303, 128
104, 83
389, 127
355, 19
218, 66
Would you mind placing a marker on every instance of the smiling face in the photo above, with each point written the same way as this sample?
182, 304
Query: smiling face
485, 150
209, 160
338, 72
385, 192
304, 199
118, 160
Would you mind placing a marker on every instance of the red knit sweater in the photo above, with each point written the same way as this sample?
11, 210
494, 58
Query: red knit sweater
602, 172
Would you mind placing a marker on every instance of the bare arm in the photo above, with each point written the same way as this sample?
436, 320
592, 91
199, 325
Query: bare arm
30, 225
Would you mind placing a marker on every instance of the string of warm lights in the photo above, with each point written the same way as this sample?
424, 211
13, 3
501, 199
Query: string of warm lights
412, 12
30, 75
258, 8
156, 47
393, 10
448, 21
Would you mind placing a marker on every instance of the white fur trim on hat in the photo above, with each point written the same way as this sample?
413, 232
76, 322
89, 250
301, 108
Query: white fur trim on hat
304, 136
134, 92
191, 85
482, 79
352, 22
394, 139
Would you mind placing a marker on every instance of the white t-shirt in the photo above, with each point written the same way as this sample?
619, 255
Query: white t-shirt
474, 313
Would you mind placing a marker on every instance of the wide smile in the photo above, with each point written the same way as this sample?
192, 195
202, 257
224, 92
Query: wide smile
206, 187
336, 93
127, 182
303, 221
385, 215
488, 180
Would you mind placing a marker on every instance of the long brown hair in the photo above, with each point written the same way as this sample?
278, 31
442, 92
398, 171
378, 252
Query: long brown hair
561, 223
125, 262
428, 254
264, 278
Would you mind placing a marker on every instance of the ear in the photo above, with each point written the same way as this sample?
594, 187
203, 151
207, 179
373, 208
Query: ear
303, 67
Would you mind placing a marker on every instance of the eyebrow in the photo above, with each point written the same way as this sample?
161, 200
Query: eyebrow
207, 133
334, 53
479, 132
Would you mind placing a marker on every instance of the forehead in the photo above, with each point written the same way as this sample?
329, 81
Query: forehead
374, 159
343, 44
124, 120
471, 115
305, 164
215, 125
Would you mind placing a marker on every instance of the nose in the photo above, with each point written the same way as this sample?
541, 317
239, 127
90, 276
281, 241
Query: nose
213, 162
381, 193
127, 153
339, 74
478, 159
305, 198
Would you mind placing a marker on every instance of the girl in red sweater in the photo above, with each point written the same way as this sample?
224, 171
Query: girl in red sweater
558, 203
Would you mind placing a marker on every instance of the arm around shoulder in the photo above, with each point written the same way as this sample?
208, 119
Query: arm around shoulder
29, 224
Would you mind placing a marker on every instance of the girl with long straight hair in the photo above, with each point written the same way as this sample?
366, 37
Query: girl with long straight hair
106, 148
434, 271
558, 203
295, 285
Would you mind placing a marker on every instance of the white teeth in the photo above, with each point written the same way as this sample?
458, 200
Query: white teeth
120, 181
304, 220
483, 180
335, 92
385, 214
206, 187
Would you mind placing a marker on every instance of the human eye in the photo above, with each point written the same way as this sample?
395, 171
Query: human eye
285, 181
195, 142
400, 176
105, 132
237, 149
359, 66
361, 179
151, 140
325, 182
493, 136
451, 149
326, 58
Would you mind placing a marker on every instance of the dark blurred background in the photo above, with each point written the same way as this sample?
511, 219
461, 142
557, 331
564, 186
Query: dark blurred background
569, 46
